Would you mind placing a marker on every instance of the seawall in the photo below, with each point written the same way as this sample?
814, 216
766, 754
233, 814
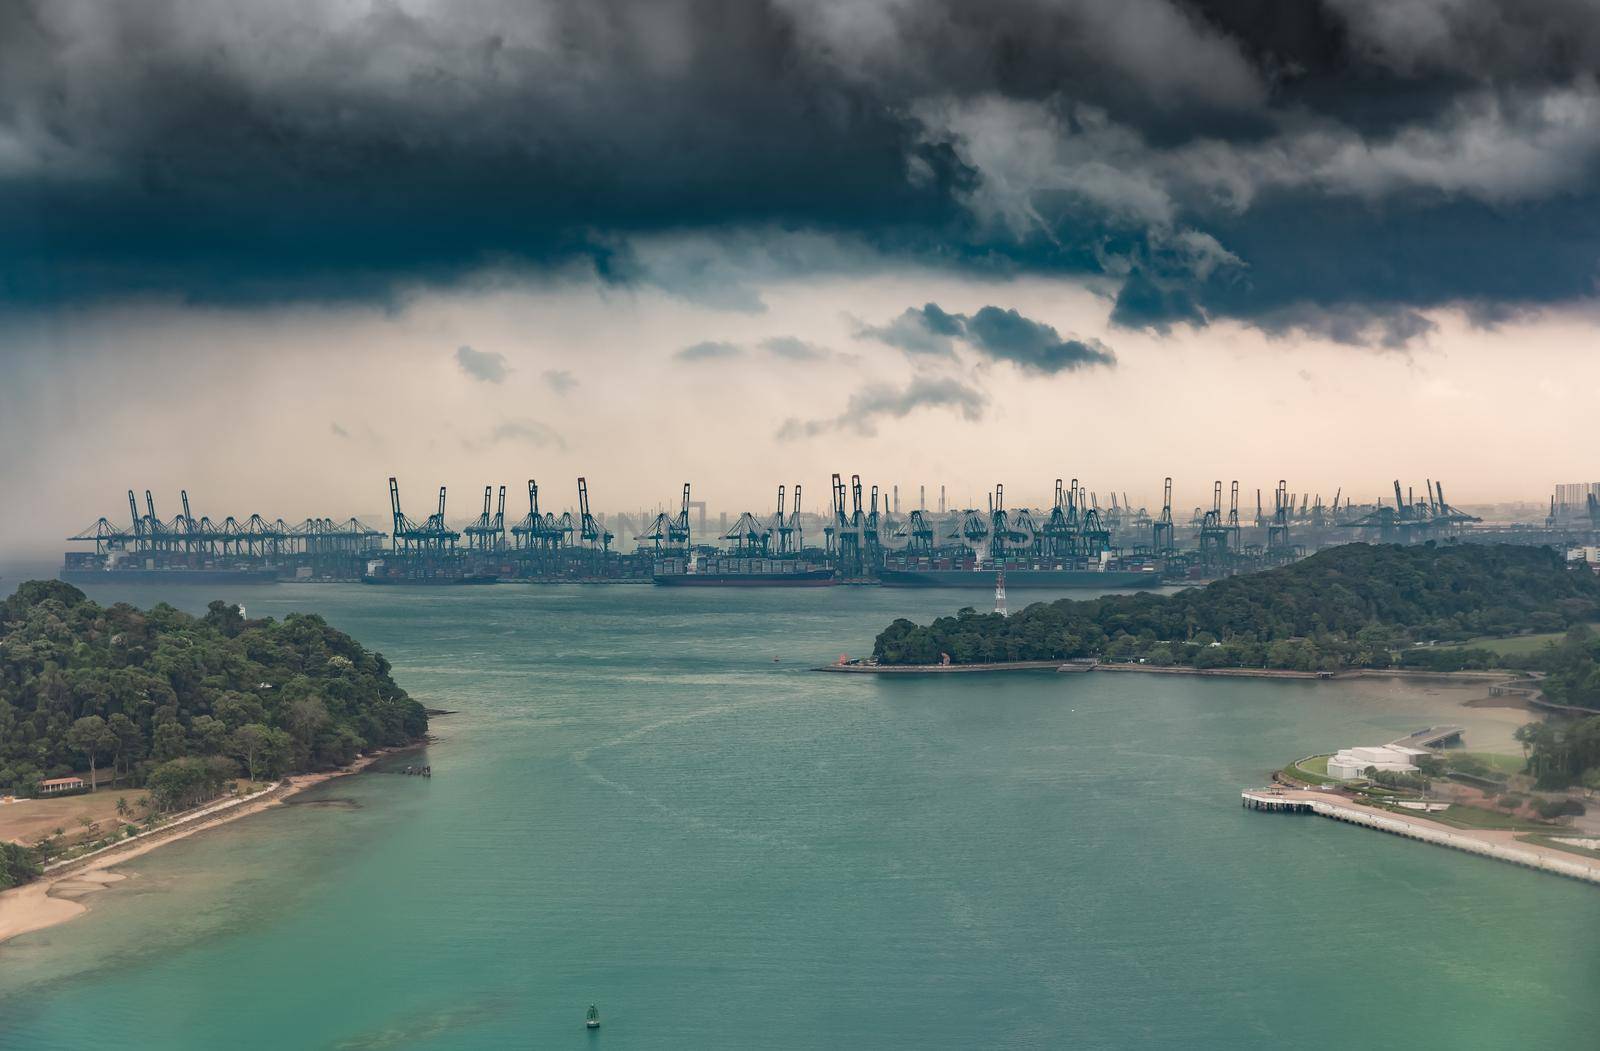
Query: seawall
1501, 846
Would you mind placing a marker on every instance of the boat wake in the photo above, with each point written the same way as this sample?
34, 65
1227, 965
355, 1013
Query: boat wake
582, 760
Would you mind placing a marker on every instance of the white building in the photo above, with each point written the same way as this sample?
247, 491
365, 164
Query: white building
1354, 762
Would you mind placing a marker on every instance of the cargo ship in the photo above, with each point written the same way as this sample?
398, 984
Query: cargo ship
1022, 573
465, 578
727, 571
379, 572
168, 575
84, 568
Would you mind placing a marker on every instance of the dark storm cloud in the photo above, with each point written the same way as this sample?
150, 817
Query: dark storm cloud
1232, 158
920, 330
1006, 335
878, 401
994, 333
488, 366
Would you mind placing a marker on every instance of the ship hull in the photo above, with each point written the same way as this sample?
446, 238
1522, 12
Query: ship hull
817, 578
476, 578
169, 576
1019, 577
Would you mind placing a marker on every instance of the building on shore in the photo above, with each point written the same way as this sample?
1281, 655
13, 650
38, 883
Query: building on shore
1351, 763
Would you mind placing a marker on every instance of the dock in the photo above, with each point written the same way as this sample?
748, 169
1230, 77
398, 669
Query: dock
1500, 845
1431, 737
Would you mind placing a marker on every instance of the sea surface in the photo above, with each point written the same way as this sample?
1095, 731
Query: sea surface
647, 801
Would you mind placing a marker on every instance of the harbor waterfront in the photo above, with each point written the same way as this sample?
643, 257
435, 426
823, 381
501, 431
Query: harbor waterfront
647, 801
1500, 845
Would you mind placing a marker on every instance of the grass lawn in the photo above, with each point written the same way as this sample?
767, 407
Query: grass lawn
1462, 816
1514, 645
1317, 765
28, 820
1313, 771
1501, 764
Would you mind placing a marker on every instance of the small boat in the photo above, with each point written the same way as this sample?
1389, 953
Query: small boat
592, 1019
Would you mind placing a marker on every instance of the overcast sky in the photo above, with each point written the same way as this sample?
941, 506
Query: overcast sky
276, 252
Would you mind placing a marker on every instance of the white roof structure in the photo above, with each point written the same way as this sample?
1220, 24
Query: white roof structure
1354, 762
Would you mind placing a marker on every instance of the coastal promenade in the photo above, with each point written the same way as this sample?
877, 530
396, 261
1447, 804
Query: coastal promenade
1491, 843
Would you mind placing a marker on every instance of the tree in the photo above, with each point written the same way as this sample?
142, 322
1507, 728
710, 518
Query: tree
127, 739
168, 686
1352, 604
250, 744
122, 806
306, 718
210, 736
90, 737
224, 617
18, 864
188, 782
169, 741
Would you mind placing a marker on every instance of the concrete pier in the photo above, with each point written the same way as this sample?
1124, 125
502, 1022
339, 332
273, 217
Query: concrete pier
1500, 845
1275, 801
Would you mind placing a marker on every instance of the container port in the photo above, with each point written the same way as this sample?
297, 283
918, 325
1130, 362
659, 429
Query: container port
862, 538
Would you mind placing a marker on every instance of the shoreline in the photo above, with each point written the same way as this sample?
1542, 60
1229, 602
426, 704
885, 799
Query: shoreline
1489, 677
939, 669
33, 907
1499, 844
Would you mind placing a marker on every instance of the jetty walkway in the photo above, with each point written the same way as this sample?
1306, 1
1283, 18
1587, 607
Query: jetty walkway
1431, 737
1491, 843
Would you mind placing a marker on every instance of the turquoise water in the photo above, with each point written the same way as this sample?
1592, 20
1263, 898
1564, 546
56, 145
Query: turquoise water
637, 806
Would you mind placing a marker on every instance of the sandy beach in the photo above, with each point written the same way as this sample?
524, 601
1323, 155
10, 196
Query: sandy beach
60, 894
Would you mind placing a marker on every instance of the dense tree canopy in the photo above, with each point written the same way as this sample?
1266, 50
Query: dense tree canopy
18, 865
86, 688
1563, 752
1572, 669
1357, 605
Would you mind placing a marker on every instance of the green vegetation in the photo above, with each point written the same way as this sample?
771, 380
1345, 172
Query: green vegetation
181, 704
18, 865
1572, 668
182, 783
1312, 771
1316, 766
1563, 752
1515, 645
1462, 816
1550, 809
1484, 764
1356, 605
1406, 779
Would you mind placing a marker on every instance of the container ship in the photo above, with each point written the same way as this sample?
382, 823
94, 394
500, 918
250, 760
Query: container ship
85, 568
730, 571
168, 575
380, 571
1021, 573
